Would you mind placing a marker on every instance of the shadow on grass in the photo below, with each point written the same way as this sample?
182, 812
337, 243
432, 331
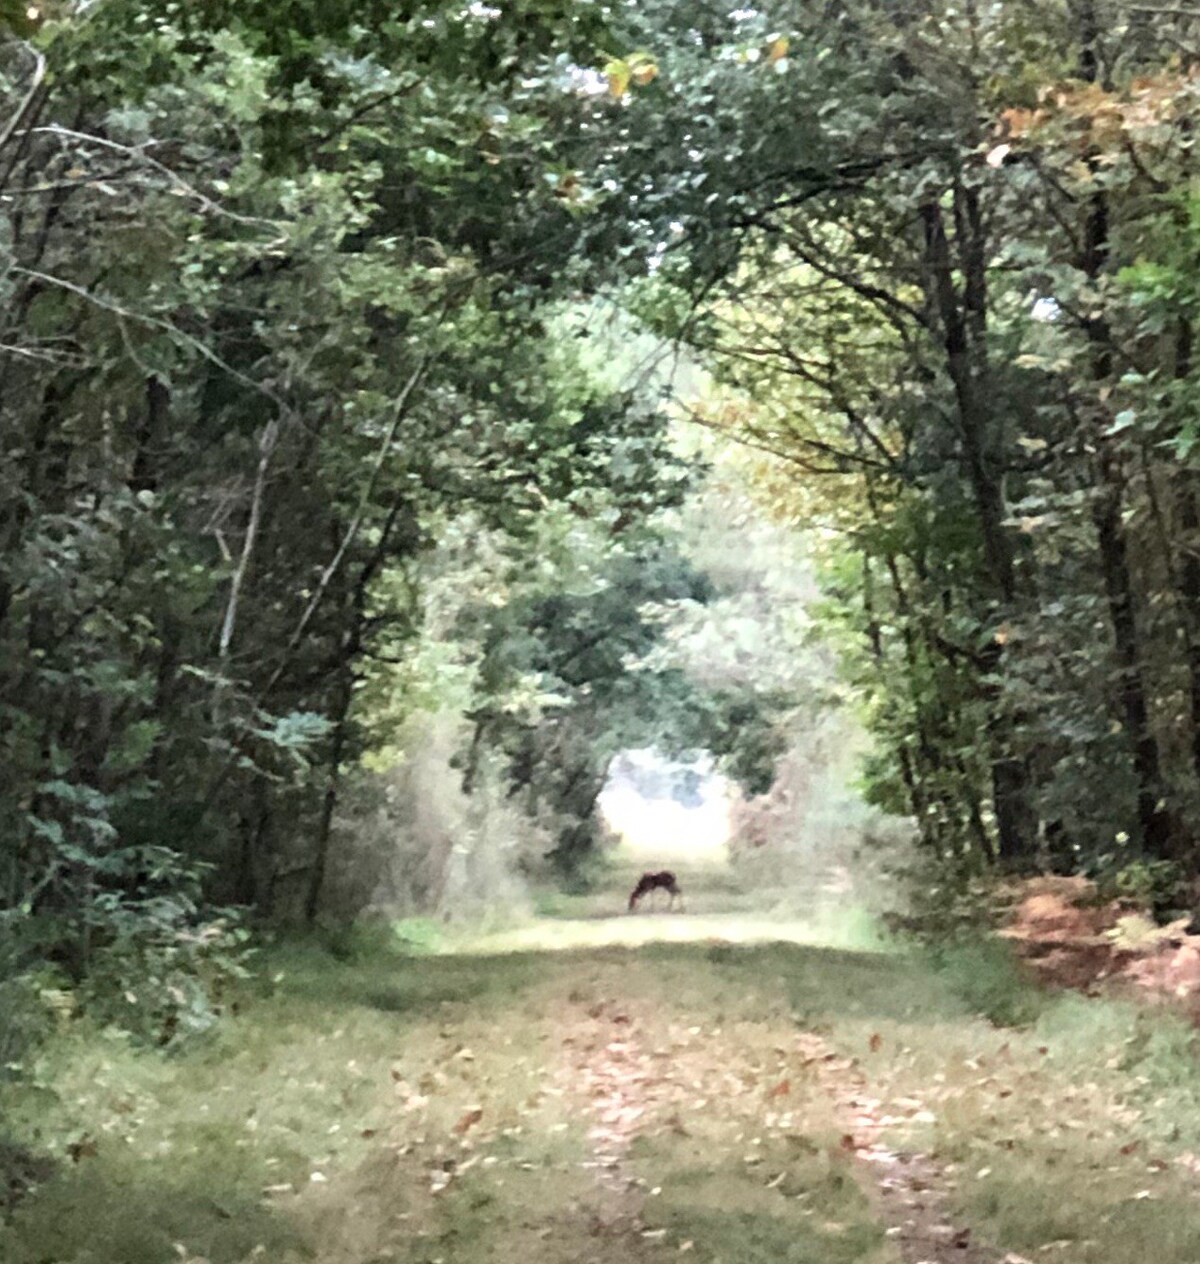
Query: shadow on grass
810, 980
409, 986
114, 1211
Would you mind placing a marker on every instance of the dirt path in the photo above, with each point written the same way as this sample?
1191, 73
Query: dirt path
912, 1191
630, 1091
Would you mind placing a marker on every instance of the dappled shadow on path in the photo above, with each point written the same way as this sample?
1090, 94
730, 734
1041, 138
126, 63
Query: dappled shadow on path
787, 978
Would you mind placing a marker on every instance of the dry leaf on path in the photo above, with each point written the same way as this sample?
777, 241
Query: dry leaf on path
469, 1120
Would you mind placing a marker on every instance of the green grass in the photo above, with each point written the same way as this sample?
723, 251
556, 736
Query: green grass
1061, 1120
991, 982
797, 1202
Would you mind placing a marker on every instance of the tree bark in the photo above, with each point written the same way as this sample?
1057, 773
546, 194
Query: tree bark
1107, 508
320, 860
1188, 510
1118, 585
966, 365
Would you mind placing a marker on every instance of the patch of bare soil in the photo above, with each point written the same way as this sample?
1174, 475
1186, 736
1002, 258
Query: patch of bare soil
910, 1191
629, 1089
624, 1088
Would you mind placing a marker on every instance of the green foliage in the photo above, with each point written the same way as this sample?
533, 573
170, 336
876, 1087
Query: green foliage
280, 289
162, 974
1149, 884
966, 353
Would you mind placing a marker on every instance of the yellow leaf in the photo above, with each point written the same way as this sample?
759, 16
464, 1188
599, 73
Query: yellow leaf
777, 49
618, 74
645, 72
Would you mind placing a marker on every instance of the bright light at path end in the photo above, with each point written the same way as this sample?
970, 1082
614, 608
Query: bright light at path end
661, 826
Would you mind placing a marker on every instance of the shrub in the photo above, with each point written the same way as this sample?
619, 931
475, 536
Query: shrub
164, 969
1151, 884
989, 979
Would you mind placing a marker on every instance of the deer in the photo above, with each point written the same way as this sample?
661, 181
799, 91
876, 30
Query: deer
663, 881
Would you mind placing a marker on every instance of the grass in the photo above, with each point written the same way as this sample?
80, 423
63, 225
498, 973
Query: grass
376, 1100
989, 979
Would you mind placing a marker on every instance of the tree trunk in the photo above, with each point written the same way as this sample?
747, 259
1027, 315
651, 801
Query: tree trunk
1189, 545
320, 861
1107, 510
1118, 585
918, 801
968, 372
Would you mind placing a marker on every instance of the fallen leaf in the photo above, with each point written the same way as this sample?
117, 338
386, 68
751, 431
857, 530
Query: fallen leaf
782, 1089
875, 1043
469, 1120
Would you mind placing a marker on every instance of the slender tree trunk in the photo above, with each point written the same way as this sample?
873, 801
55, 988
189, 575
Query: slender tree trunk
1185, 577
1118, 585
1186, 498
967, 368
254, 830
918, 801
1107, 511
320, 860
351, 650
971, 396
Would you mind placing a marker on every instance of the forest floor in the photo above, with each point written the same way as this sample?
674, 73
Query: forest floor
711, 1085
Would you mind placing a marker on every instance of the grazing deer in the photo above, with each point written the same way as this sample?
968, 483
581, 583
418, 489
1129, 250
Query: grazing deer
664, 881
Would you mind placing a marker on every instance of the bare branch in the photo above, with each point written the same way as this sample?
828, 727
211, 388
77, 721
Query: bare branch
399, 412
39, 75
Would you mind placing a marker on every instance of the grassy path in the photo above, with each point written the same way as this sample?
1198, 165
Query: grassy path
741, 1103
